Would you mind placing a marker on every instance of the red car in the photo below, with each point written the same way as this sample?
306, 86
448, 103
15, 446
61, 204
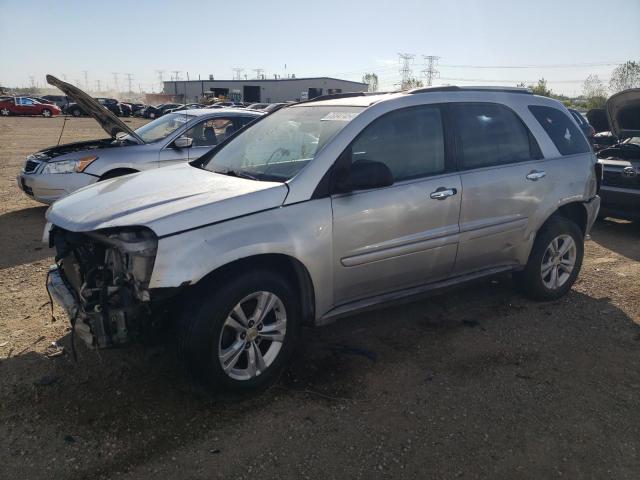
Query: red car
27, 106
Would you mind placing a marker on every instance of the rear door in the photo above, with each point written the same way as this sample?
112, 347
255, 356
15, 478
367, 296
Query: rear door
503, 182
391, 238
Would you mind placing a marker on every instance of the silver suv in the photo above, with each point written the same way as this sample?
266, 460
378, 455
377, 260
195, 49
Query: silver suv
322, 209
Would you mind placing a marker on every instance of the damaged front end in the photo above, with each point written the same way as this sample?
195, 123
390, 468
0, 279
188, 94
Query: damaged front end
102, 280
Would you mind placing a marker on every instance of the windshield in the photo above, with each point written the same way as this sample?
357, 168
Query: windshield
162, 127
279, 146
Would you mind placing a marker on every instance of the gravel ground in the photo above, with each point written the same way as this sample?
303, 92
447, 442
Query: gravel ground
477, 383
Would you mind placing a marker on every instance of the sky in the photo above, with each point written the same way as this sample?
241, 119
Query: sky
484, 42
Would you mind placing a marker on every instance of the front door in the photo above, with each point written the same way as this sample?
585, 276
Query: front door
404, 235
503, 179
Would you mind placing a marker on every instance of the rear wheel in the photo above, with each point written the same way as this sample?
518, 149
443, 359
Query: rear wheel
46, 113
5, 112
76, 112
240, 337
555, 260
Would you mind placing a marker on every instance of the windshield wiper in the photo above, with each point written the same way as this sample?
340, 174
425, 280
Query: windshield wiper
236, 173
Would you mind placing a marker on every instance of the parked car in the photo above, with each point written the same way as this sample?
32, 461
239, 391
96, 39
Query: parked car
138, 108
257, 106
27, 106
584, 125
57, 171
188, 106
110, 104
159, 110
603, 137
620, 190
126, 109
42, 100
272, 107
322, 209
60, 100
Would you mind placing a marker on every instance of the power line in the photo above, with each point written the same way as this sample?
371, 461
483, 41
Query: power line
556, 65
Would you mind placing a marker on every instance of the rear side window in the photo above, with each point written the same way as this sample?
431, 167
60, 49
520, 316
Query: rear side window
564, 133
409, 141
489, 134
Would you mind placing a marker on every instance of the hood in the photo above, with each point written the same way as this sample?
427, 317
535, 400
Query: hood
623, 112
597, 118
107, 120
166, 200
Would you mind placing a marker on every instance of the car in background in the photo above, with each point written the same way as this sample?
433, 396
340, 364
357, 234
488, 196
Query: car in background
57, 171
159, 110
126, 109
42, 100
620, 185
110, 104
27, 106
188, 106
603, 136
60, 100
137, 108
584, 125
257, 106
272, 107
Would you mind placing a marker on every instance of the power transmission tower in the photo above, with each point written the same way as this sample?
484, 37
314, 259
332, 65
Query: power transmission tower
405, 71
430, 72
237, 73
32, 81
98, 89
258, 72
129, 80
86, 79
160, 74
176, 75
115, 80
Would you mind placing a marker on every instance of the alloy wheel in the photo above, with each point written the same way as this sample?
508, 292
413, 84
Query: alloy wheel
46, 113
558, 261
5, 112
252, 335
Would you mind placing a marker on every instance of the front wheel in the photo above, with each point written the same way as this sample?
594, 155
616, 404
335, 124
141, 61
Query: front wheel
5, 112
46, 113
555, 260
241, 336
76, 112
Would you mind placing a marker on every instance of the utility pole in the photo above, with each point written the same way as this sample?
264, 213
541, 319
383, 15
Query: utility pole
86, 79
98, 89
176, 75
405, 70
430, 72
129, 80
258, 73
237, 73
115, 81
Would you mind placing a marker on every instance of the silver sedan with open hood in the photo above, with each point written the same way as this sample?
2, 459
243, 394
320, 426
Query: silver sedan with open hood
57, 171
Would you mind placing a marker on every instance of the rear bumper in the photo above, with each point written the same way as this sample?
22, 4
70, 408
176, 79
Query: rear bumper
49, 188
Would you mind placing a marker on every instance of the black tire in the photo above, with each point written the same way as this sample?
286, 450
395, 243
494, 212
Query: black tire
5, 112
530, 281
202, 326
47, 114
76, 112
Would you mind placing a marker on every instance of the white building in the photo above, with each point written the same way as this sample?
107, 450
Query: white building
266, 91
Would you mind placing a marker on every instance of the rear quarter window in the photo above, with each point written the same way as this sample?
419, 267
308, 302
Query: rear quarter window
564, 133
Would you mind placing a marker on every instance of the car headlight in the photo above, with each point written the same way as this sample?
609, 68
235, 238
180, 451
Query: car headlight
69, 166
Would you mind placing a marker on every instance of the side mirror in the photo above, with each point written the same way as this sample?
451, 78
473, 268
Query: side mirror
366, 174
183, 142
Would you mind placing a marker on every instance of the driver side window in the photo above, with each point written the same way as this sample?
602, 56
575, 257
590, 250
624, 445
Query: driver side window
211, 132
410, 142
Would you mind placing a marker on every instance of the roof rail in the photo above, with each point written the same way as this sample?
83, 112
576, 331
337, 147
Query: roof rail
335, 96
455, 88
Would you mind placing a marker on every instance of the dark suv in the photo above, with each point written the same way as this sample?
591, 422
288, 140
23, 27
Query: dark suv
110, 104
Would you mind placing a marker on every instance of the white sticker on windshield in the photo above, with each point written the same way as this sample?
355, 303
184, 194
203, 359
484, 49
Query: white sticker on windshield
339, 116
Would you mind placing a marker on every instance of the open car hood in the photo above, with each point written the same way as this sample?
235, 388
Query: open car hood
107, 120
598, 120
623, 111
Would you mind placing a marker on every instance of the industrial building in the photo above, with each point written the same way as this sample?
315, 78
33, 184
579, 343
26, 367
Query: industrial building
262, 90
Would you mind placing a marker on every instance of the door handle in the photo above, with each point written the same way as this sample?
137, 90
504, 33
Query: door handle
442, 193
535, 175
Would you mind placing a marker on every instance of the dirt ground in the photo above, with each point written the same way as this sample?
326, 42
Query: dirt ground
478, 383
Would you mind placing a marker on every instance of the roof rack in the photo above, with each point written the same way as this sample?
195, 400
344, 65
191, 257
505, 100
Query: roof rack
455, 88
335, 96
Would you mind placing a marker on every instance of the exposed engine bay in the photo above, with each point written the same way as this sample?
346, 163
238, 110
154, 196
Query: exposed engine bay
102, 279
53, 152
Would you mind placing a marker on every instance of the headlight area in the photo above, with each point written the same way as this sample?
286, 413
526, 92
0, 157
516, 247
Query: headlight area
69, 166
107, 272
